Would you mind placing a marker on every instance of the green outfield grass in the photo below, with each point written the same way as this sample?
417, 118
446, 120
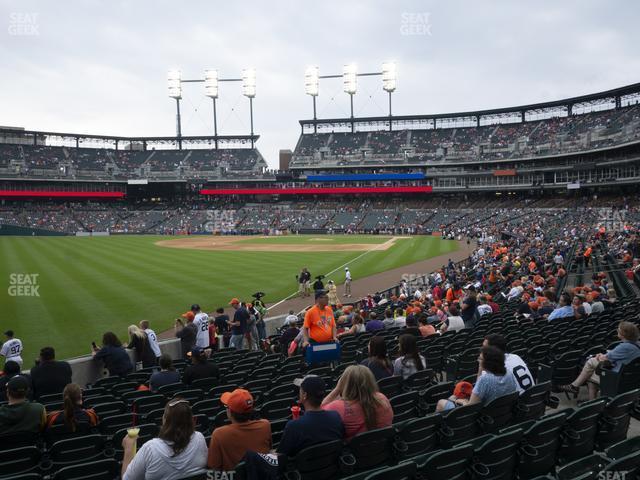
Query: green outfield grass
87, 286
317, 239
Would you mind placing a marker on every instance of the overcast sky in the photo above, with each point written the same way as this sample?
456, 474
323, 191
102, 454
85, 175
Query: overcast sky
100, 66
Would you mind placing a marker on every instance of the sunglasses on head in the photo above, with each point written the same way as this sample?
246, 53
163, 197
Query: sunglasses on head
176, 402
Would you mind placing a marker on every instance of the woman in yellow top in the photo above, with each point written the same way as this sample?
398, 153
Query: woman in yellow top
332, 293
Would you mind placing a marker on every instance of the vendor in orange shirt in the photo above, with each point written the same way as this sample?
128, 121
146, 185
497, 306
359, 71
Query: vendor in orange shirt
319, 323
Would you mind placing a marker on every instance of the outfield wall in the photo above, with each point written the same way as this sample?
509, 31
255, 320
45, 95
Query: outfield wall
28, 232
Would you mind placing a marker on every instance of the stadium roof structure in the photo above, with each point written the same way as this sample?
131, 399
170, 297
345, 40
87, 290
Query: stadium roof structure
609, 99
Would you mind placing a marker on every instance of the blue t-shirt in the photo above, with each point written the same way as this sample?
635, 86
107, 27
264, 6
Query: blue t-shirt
310, 429
242, 316
623, 353
562, 312
489, 386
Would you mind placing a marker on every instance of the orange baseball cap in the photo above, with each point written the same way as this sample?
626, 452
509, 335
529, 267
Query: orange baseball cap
188, 315
463, 390
238, 401
234, 301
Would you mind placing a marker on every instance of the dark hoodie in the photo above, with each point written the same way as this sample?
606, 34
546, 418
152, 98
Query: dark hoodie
22, 417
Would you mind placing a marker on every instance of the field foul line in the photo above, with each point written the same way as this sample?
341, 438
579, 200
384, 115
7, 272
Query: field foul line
385, 244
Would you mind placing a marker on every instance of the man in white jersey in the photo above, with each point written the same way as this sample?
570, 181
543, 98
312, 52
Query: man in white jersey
12, 348
201, 321
153, 339
347, 282
514, 365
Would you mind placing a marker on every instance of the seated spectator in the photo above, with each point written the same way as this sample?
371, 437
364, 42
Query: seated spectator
564, 308
178, 452
229, 443
357, 326
625, 352
453, 322
166, 376
494, 383
425, 328
410, 361
316, 425
73, 416
378, 361
139, 343
200, 367
11, 369
514, 365
358, 401
484, 308
21, 415
115, 357
388, 321
412, 326
373, 324
289, 335
49, 375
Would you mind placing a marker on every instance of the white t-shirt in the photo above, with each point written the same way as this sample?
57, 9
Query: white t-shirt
516, 367
201, 321
155, 460
11, 350
455, 323
153, 342
347, 276
291, 319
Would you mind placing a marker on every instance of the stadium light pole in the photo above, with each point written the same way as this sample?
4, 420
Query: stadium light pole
312, 87
211, 91
389, 80
174, 81
350, 82
249, 91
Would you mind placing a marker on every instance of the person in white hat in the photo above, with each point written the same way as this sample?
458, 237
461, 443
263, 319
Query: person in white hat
347, 282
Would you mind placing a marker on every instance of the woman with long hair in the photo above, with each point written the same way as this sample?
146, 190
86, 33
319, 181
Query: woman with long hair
378, 361
178, 452
357, 326
73, 416
358, 401
139, 342
115, 357
410, 361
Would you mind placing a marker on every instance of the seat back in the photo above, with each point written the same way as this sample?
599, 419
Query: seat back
419, 381
623, 448
277, 409
76, 450
146, 404
540, 442
418, 436
404, 471
498, 413
627, 467
565, 367
459, 425
586, 468
390, 386
146, 433
531, 403
498, 455
372, 449
405, 406
450, 464
107, 469
615, 419
17, 461
429, 397
317, 462
205, 384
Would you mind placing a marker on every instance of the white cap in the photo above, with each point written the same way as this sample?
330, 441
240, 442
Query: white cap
346, 269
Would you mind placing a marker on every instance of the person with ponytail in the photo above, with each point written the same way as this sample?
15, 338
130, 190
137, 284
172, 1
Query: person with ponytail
73, 416
356, 398
410, 361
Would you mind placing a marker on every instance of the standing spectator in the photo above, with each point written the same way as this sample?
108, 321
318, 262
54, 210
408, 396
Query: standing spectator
166, 376
200, 367
378, 361
73, 416
221, 329
139, 343
186, 333
21, 415
319, 323
11, 369
12, 348
468, 307
347, 282
316, 425
304, 282
358, 401
238, 324
49, 376
152, 338
230, 443
201, 322
410, 361
178, 452
115, 357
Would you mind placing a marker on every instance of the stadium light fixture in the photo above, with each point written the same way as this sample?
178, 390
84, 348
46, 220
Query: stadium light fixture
211, 91
174, 83
249, 91
389, 81
350, 78
312, 87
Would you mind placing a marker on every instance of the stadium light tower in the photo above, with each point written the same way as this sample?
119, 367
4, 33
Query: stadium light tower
249, 91
211, 91
174, 81
389, 80
350, 81
312, 87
